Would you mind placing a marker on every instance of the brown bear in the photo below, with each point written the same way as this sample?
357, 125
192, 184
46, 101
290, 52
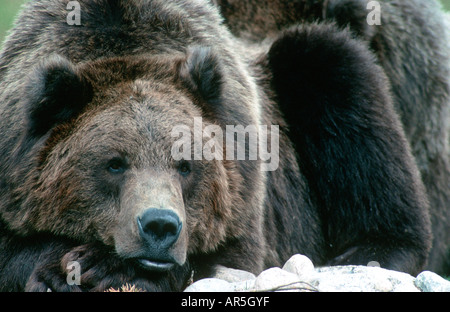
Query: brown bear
91, 116
411, 44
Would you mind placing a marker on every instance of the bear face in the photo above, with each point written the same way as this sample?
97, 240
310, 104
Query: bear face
179, 64
106, 152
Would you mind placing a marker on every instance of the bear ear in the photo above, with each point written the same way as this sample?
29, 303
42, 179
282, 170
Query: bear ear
202, 73
56, 93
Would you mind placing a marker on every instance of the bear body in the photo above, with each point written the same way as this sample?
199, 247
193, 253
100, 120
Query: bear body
411, 41
90, 115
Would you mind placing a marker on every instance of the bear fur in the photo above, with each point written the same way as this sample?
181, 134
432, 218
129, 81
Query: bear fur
87, 114
412, 42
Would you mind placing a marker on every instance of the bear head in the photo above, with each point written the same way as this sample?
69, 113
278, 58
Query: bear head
99, 139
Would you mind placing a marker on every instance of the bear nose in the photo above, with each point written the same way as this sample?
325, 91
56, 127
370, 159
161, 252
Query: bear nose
160, 227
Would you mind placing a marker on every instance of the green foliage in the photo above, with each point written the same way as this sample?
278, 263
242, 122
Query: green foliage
8, 11
446, 4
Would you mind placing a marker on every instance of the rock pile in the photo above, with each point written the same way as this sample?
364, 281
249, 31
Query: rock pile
299, 274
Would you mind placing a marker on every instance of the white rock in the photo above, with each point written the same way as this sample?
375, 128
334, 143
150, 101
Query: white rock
210, 285
362, 279
276, 279
244, 286
431, 282
299, 274
301, 266
232, 275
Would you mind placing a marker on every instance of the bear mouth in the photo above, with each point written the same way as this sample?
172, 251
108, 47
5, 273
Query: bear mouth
155, 266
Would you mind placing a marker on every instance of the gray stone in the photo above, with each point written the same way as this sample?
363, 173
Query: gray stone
431, 282
301, 266
362, 279
276, 279
232, 275
210, 285
244, 286
299, 274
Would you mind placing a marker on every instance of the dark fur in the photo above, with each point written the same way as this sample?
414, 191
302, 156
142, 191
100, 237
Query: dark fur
411, 45
346, 133
347, 189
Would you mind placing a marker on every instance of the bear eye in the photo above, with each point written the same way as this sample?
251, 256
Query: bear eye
184, 168
116, 166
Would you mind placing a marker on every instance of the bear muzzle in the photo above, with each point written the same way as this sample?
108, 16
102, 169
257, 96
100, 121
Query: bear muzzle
160, 230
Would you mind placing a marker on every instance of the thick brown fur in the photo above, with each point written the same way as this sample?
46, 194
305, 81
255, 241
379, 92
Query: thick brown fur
87, 114
411, 45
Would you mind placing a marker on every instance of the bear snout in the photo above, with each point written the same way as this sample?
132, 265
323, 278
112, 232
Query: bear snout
159, 227
159, 230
